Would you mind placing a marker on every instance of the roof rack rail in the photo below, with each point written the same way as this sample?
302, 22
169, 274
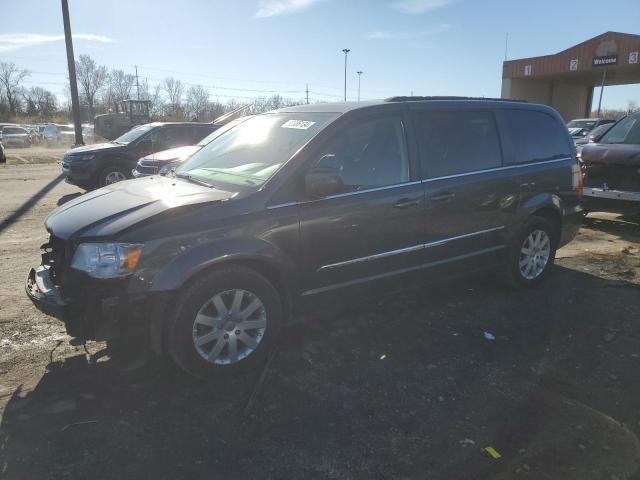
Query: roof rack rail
419, 99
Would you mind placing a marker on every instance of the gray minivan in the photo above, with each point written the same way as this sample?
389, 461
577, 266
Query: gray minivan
306, 202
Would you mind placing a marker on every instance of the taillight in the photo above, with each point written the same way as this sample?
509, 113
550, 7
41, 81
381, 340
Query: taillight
580, 191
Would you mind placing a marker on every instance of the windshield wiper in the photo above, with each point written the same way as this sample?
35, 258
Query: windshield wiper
193, 179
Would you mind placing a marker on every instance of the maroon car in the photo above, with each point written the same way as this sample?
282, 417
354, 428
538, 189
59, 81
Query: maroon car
612, 168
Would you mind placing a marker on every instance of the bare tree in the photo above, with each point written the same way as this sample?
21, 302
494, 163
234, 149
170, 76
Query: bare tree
174, 90
120, 85
91, 78
11, 76
33, 98
49, 105
632, 106
153, 95
39, 102
197, 102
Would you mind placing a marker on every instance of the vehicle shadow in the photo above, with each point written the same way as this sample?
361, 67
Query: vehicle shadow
30, 203
404, 386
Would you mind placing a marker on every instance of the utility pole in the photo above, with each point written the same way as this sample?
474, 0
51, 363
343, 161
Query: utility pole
359, 75
137, 84
73, 82
307, 94
346, 52
604, 78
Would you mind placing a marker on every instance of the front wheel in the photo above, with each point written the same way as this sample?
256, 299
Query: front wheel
226, 321
531, 254
112, 174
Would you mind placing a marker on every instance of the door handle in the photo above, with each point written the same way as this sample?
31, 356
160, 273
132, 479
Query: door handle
442, 197
406, 203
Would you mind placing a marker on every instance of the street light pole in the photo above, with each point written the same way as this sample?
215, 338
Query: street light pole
359, 74
346, 51
604, 78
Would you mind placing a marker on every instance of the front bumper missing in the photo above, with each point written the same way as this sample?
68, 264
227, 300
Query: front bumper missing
43, 293
93, 314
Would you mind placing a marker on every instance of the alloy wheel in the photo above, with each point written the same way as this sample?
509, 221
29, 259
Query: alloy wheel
114, 177
229, 327
534, 254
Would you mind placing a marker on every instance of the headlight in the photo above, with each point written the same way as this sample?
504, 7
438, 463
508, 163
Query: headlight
107, 260
168, 168
85, 156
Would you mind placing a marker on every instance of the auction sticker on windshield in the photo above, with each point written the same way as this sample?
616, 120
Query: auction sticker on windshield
299, 124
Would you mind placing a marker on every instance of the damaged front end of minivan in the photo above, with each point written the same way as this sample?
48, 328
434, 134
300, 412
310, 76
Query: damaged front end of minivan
86, 286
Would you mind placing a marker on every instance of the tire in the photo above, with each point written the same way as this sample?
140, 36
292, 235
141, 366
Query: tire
519, 273
214, 335
111, 174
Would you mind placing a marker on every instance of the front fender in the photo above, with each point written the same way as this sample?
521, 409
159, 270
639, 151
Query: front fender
194, 260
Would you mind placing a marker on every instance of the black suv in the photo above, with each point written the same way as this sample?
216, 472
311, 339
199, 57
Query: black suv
294, 205
94, 166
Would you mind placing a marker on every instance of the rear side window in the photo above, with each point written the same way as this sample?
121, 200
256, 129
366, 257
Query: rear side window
171, 136
456, 141
530, 136
198, 133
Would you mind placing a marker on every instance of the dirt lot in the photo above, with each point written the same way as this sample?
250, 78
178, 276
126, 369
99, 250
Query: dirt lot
34, 154
402, 387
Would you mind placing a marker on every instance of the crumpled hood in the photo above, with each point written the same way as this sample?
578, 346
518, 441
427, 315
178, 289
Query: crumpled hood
612, 154
98, 147
177, 154
109, 210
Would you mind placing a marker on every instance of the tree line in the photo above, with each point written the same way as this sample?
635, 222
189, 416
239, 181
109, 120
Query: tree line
101, 90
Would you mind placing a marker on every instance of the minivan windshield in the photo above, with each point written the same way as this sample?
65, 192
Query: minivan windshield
216, 133
133, 134
250, 153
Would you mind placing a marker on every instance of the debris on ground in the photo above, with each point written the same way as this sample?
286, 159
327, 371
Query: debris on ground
493, 452
466, 441
489, 336
630, 250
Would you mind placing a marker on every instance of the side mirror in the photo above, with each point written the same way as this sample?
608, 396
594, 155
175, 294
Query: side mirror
323, 180
595, 138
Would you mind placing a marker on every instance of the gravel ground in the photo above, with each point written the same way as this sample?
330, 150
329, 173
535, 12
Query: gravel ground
400, 387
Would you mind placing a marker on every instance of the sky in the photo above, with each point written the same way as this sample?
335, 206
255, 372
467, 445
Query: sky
246, 48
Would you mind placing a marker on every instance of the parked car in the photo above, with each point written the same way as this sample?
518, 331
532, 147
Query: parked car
292, 207
581, 127
16, 137
94, 166
612, 168
594, 135
164, 162
56, 135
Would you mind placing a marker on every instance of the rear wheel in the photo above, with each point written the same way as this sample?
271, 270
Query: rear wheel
112, 174
226, 321
531, 254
